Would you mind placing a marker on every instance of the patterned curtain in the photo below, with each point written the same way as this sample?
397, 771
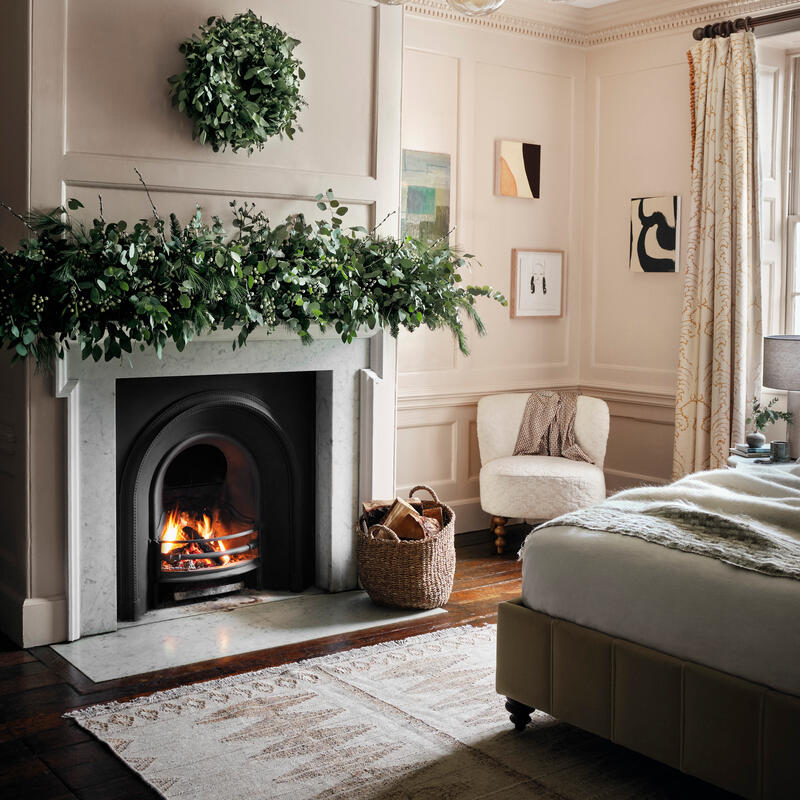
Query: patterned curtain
719, 369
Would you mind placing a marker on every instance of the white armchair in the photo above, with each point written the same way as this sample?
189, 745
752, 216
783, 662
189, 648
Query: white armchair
537, 487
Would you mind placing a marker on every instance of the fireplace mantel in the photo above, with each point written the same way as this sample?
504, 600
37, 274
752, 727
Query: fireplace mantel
355, 416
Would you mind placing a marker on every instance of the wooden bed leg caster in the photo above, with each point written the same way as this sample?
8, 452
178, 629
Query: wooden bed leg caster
499, 531
520, 714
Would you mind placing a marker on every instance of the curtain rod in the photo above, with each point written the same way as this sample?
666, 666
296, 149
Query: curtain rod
727, 27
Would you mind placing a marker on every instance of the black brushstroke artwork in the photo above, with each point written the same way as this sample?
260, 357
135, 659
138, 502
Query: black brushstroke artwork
532, 159
665, 236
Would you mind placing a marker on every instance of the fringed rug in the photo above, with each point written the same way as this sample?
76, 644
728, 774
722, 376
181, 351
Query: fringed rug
417, 719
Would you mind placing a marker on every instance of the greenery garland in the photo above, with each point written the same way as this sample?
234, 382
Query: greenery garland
112, 286
241, 84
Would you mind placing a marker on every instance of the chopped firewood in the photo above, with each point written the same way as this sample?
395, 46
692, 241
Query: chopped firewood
430, 525
376, 505
435, 513
415, 526
393, 520
411, 527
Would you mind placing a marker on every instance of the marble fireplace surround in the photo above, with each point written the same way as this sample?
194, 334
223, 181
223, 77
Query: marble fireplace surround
355, 410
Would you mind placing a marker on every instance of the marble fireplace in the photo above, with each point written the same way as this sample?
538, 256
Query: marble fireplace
271, 446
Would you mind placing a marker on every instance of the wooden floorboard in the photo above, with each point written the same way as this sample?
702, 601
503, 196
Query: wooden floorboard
46, 757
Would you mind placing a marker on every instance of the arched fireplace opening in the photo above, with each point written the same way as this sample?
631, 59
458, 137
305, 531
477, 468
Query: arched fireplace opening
212, 498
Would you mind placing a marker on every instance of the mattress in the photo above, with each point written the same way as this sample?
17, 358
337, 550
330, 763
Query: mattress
689, 606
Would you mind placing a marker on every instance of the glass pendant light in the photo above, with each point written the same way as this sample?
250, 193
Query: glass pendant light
475, 8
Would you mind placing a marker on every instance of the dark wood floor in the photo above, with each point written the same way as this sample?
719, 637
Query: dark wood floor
46, 757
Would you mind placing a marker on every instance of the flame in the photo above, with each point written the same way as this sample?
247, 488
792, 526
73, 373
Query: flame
173, 537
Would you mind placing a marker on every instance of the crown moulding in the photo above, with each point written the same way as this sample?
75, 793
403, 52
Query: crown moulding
581, 37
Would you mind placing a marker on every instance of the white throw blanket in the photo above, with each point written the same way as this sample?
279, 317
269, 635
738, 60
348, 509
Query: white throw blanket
747, 518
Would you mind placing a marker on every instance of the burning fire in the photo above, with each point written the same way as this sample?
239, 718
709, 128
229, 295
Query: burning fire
188, 534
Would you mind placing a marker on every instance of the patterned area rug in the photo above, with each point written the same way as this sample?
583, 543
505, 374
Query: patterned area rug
416, 719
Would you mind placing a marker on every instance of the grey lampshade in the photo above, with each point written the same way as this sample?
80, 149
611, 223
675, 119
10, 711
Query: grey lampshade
782, 362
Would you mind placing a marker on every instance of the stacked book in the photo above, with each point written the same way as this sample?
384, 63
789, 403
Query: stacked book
750, 452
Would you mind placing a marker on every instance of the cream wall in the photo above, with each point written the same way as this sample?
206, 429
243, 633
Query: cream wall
100, 107
464, 88
637, 143
617, 126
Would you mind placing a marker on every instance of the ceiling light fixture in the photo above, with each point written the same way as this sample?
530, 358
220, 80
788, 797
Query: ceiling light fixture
471, 8
475, 8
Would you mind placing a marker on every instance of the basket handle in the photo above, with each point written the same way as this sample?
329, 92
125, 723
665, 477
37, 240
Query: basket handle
384, 528
427, 489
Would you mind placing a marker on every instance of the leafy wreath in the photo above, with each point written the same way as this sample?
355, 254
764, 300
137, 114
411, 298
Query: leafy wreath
112, 286
241, 84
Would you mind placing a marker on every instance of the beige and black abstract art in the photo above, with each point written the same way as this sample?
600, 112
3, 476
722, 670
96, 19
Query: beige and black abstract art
655, 233
519, 167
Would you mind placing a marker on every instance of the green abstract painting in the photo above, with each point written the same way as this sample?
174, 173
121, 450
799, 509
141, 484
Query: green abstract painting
425, 204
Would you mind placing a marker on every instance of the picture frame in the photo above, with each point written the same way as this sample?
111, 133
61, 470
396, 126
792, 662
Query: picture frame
518, 169
425, 201
655, 234
537, 283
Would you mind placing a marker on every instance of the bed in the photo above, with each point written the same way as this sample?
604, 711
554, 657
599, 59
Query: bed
680, 656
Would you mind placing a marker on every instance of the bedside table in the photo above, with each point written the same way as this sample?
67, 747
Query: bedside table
741, 462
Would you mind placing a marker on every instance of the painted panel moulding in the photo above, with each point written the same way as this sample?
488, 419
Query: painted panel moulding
609, 392
663, 23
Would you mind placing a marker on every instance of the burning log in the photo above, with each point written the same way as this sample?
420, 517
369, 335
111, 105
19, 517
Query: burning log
193, 535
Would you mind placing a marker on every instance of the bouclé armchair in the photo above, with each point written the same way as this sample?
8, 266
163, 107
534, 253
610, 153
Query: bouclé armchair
537, 488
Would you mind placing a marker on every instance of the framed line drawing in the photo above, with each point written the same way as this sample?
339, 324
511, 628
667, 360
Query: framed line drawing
537, 283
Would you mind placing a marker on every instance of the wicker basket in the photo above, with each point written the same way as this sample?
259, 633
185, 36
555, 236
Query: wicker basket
415, 573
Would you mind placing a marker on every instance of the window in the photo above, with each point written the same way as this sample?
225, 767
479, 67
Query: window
793, 200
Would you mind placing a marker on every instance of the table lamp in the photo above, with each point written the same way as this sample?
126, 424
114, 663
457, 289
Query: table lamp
782, 371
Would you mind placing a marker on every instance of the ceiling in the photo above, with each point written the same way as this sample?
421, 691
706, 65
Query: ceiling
584, 3
593, 15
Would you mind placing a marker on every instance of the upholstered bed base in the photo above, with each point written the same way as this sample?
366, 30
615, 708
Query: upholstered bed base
736, 734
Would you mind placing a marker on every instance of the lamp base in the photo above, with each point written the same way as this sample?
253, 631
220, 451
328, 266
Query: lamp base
793, 429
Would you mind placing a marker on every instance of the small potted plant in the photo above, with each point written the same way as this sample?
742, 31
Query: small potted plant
763, 415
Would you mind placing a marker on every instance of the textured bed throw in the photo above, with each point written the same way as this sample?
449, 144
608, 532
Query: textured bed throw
548, 427
745, 518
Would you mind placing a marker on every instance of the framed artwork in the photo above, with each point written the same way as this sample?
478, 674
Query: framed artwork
537, 283
425, 200
518, 171
655, 233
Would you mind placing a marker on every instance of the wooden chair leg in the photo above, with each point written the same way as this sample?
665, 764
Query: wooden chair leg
520, 714
499, 532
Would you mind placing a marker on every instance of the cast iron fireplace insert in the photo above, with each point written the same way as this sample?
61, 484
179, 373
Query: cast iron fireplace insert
214, 473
